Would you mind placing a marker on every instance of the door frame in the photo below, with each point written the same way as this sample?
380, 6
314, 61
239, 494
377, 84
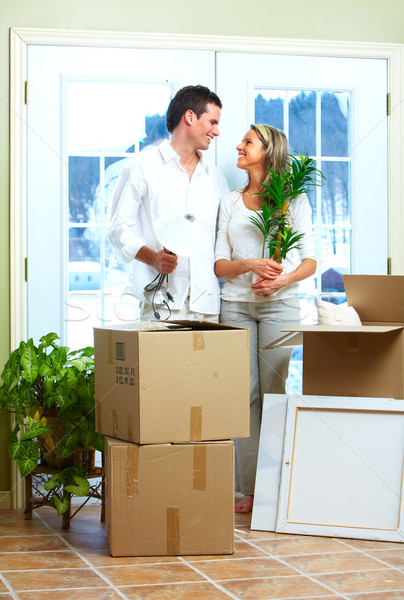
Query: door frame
21, 37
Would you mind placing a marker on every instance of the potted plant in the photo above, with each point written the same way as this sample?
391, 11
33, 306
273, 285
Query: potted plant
50, 391
296, 178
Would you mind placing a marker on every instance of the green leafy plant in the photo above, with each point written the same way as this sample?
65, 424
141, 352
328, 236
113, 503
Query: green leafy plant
46, 385
71, 480
273, 221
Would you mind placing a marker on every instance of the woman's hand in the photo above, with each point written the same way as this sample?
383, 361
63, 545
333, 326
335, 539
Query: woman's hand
266, 287
264, 267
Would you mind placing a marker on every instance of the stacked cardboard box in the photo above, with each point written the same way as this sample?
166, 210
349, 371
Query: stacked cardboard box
170, 397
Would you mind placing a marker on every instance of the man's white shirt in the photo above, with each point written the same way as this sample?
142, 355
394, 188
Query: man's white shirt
154, 184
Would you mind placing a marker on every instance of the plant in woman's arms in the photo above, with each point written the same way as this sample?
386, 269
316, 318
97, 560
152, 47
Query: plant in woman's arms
285, 240
268, 220
295, 179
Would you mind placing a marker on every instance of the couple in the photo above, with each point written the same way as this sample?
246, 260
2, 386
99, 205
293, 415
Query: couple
172, 178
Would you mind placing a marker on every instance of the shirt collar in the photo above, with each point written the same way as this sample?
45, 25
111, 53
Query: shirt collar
168, 153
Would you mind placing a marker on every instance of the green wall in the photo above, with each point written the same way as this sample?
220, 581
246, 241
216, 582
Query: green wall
349, 20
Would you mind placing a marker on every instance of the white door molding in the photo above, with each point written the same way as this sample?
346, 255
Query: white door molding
21, 37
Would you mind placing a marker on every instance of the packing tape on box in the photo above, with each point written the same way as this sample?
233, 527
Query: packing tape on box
198, 340
353, 345
132, 471
173, 530
199, 468
195, 423
114, 423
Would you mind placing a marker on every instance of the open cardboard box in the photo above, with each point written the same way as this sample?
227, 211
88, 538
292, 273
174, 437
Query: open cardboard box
362, 360
172, 382
169, 499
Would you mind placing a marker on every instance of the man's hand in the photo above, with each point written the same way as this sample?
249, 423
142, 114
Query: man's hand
164, 261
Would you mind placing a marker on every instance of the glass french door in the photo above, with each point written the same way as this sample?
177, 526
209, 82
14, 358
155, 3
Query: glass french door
334, 110
89, 110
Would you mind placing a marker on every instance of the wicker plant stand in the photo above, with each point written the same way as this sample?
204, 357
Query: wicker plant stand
36, 496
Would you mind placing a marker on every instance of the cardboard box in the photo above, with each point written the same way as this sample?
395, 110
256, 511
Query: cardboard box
172, 382
170, 499
362, 360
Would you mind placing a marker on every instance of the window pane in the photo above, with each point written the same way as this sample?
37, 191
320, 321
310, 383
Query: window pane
110, 116
335, 193
302, 122
85, 275
335, 258
84, 244
84, 175
269, 107
335, 108
113, 168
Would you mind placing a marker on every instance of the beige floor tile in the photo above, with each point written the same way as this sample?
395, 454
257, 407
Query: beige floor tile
241, 550
39, 560
244, 569
187, 591
100, 557
7, 515
293, 545
95, 594
33, 527
241, 519
34, 543
394, 557
83, 540
244, 532
54, 579
87, 520
364, 581
378, 596
332, 563
372, 544
276, 588
150, 574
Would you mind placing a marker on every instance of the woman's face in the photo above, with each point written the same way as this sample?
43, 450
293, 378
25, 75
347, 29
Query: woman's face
250, 152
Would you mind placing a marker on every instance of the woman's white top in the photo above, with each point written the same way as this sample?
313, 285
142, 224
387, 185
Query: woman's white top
238, 238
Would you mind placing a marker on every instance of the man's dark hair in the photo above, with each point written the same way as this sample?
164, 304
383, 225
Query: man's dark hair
191, 97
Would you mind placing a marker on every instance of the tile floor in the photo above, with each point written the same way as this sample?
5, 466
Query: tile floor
40, 561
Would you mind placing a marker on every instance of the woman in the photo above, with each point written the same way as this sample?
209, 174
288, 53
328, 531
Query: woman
248, 295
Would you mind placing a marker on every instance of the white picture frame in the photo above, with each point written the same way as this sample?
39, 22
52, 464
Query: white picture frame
269, 463
342, 468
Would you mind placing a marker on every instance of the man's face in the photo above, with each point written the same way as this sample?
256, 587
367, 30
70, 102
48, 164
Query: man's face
207, 127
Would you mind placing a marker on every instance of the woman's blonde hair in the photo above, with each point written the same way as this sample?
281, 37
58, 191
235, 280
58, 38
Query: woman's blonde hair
276, 153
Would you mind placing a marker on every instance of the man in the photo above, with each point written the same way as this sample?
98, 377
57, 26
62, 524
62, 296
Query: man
172, 178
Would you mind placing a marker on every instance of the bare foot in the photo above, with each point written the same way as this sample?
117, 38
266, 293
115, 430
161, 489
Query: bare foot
245, 505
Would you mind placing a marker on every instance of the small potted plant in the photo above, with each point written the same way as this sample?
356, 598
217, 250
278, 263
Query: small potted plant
50, 391
273, 220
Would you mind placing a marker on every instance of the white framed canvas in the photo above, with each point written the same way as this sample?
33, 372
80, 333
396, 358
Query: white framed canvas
342, 468
269, 463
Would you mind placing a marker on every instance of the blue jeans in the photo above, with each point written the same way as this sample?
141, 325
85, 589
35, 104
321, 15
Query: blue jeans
268, 369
